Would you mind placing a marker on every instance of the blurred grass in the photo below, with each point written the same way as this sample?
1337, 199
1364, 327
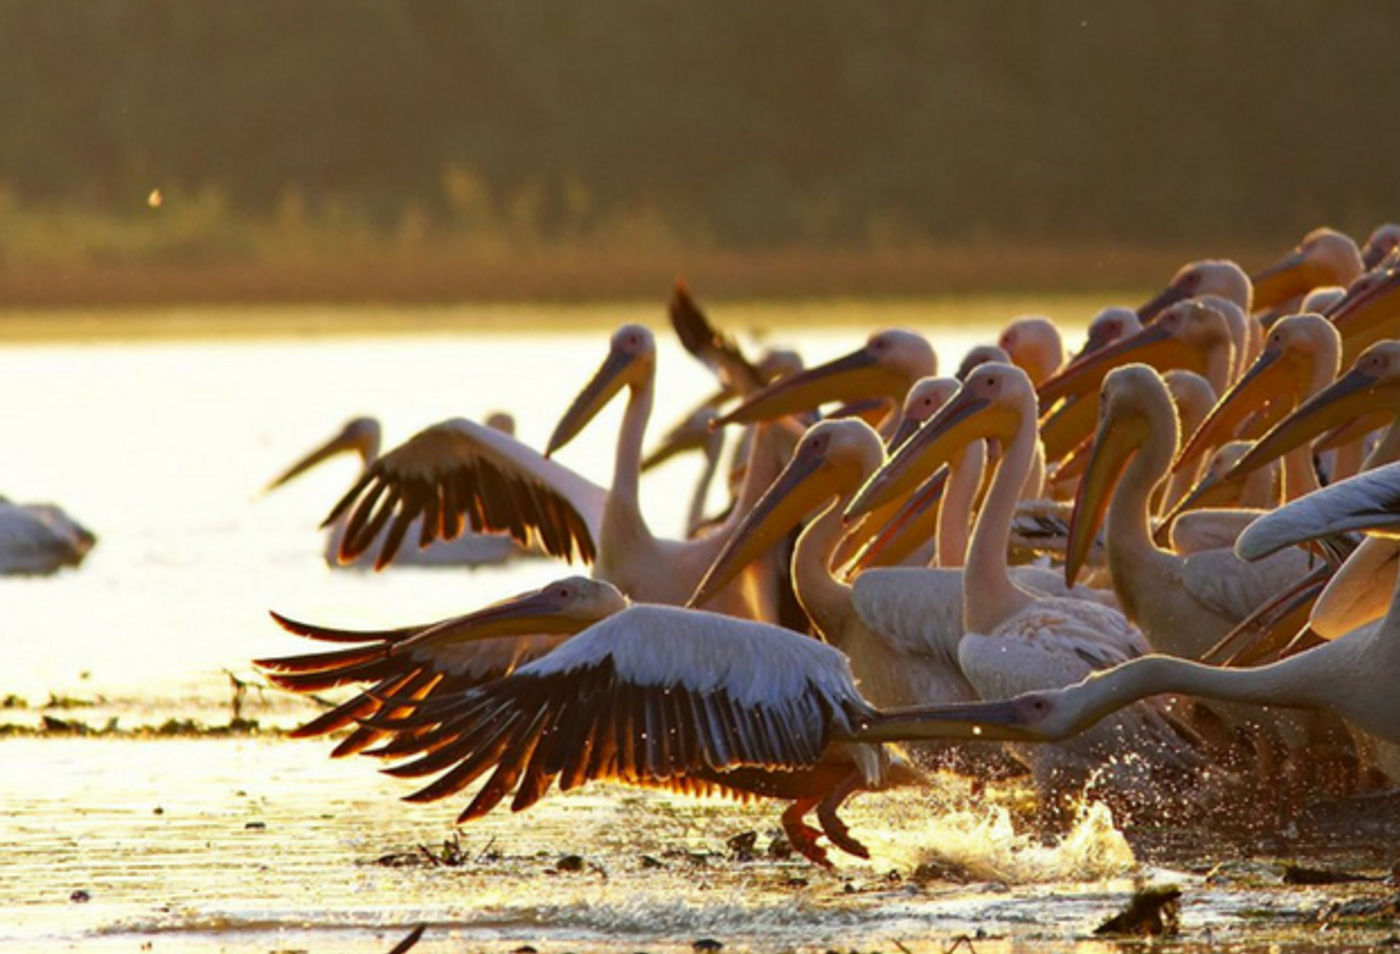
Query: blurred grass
193, 249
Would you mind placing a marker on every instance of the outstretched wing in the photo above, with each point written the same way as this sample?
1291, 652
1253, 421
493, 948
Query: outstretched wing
717, 350
1369, 501
432, 661
655, 696
460, 472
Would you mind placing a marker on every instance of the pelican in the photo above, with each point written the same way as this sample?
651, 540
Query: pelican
361, 435
1352, 676
1193, 334
1381, 242
1109, 325
979, 355
1205, 277
36, 539
1324, 257
1183, 604
886, 366
1034, 345
1014, 639
1300, 358
1371, 384
695, 431
448, 470
572, 682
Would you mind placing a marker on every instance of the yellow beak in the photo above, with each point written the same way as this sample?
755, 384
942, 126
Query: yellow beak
1114, 443
1288, 278
854, 377
609, 379
1275, 373
965, 418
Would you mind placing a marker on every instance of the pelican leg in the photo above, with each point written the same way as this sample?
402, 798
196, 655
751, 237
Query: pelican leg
802, 835
835, 828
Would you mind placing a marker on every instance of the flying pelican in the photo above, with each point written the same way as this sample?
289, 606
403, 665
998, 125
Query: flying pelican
1014, 639
361, 435
572, 682
1352, 676
37, 539
1183, 604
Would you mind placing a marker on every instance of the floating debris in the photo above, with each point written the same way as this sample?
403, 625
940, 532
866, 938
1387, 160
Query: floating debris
1151, 912
409, 940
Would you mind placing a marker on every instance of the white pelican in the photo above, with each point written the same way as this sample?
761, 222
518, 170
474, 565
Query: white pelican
979, 355
1300, 358
1191, 334
646, 695
1324, 257
695, 431
1183, 604
1016, 640
1370, 311
361, 435
37, 539
1109, 325
1372, 384
1034, 345
886, 366
1205, 277
1353, 676
454, 469
1384, 239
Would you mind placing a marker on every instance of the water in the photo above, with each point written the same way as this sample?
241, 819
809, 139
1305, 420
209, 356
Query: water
256, 843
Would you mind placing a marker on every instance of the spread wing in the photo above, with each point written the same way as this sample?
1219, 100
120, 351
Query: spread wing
1368, 501
717, 350
413, 662
458, 473
655, 696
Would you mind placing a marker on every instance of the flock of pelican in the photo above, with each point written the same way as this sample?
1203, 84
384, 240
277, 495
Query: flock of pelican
1136, 567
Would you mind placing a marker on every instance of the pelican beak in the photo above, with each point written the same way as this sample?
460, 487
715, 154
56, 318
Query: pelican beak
346, 440
609, 379
1074, 463
1004, 720
1344, 399
1370, 316
1355, 429
693, 433
854, 377
1154, 345
536, 613
965, 418
1212, 490
1160, 302
903, 530
803, 486
1288, 278
1114, 443
1068, 426
1270, 377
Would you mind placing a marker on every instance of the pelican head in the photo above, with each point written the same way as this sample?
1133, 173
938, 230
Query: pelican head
1323, 299
1382, 241
1109, 325
979, 355
778, 363
631, 362
360, 435
833, 458
1134, 407
991, 403
1370, 311
1301, 355
923, 401
695, 432
564, 607
885, 366
1212, 276
1324, 257
1372, 383
1034, 345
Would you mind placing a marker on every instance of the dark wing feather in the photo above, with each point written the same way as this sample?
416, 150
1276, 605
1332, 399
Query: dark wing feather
459, 469
717, 350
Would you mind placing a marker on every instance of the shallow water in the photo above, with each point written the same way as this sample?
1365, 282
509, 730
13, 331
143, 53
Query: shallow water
256, 843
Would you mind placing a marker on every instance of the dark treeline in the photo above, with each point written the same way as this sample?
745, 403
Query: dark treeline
736, 123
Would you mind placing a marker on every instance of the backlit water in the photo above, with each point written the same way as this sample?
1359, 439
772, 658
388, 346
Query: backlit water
256, 843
